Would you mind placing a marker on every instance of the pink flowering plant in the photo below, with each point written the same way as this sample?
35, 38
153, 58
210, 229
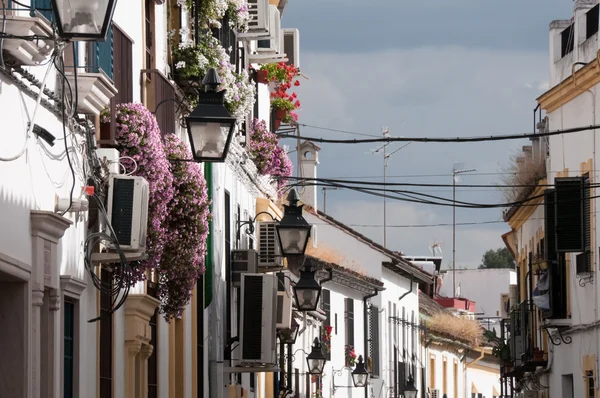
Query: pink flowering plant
139, 137
187, 224
262, 144
350, 355
267, 155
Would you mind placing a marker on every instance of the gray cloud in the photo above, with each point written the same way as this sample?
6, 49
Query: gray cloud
435, 91
351, 25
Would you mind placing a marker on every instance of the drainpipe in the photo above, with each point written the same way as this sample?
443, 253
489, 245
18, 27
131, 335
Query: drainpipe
412, 277
366, 331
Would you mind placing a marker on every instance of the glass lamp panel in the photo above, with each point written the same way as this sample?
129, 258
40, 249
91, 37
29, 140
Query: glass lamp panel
307, 298
209, 138
293, 240
360, 379
82, 17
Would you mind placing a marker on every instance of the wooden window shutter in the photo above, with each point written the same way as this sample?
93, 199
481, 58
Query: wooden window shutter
374, 341
123, 66
587, 223
569, 214
326, 307
349, 317
106, 338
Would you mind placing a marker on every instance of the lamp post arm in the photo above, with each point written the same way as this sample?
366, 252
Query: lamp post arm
337, 373
251, 221
181, 103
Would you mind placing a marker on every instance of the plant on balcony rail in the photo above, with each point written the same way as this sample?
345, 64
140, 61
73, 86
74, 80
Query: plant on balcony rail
183, 257
192, 61
350, 356
138, 137
499, 347
280, 73
326, 338
213, 12
285, 105
267, 155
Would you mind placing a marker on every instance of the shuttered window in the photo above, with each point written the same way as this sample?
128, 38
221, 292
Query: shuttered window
44, 7
123, 66
587, 223
374, 341
550, 226
106, 325
100, 55
326, 307
69, 348
569, 214
149, 33
349, 321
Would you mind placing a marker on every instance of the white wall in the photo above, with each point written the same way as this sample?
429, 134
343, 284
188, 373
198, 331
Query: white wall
485, 380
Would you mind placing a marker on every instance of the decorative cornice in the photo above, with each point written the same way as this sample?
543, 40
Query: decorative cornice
141, 305
571, 87
72, 286
48, 225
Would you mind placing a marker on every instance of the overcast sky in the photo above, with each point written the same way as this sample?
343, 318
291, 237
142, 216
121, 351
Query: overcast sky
424, 69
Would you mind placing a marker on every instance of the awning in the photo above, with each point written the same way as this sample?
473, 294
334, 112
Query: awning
474, 389
495, 392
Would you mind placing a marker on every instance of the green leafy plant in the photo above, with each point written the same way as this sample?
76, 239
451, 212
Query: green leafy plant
499, 347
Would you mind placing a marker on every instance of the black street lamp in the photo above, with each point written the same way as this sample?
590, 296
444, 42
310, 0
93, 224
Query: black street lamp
360, 375
316, 360
307, 291
83, 19
293, 231
410, 391
210, 126
289, 335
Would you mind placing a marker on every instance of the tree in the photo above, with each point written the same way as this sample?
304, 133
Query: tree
499, 258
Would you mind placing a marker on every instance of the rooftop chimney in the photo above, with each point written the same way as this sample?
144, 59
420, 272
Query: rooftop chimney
309, 159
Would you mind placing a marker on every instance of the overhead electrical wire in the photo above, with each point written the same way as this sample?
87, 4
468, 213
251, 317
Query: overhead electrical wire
445, 139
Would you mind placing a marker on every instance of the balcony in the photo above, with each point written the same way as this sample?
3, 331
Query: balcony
525, 338
22, 50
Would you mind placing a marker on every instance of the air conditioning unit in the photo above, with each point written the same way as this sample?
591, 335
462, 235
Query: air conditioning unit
284, 301
272, 43
257, 320
259, 19
291, 46
436, 394
504, 305
128, 210
269, 253
243, 262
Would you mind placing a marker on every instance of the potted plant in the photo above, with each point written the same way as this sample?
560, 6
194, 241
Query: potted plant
350, 356
282, 105
538, 355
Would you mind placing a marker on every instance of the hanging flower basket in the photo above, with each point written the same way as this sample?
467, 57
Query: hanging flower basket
280, 114
262, 76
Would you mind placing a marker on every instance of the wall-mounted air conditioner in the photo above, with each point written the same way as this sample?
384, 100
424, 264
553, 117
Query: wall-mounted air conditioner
272, 43
257, 320
291, 46
259, 19
269, 253
243, 262
284, 301
128, 210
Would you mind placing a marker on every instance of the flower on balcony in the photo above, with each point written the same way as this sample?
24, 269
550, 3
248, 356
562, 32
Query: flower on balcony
282, 167
350, 355
261, 146
139, 138
239, 15
326, 337
182, 262
192, 61
281, 74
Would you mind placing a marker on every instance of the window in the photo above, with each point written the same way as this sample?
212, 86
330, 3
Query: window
455, 379
589, 366
106, 325
349, 321
432, 373
227, 205
149, 33
326, 306
43, 5
296, 386
566, 40
444, 376
100, 55
69, 348
569, 199
591, 22
122, 66
374, 340
153, 359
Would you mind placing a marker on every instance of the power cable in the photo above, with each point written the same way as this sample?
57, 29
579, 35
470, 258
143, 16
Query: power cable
447, 139
337, 131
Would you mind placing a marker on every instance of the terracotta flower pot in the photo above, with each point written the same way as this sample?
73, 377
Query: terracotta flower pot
261, 76
276, 124
280, 114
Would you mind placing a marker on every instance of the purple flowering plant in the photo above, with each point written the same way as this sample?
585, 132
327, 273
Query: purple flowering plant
138, 136
268, 156
183, 258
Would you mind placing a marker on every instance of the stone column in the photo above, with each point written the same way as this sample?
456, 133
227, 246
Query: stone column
37, 301
139, 308
47, 228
